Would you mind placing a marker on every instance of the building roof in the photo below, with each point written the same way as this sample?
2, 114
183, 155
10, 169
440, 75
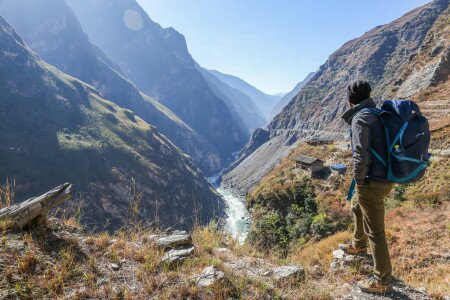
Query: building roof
307, 159
319, 140
339, 167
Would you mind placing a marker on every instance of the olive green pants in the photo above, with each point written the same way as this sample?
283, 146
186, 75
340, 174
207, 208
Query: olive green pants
368, 213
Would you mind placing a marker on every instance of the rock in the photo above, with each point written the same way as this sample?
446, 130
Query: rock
209, 276
316, 271
17, 246
339, 254
174, 240
152, 237
334, 266
177, 255
349, 258
221, 250
115, 267
436, 49
401, 291
178, 232
285, 272
101, 281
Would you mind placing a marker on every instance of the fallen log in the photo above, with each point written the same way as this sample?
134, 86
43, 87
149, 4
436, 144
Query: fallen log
34, 210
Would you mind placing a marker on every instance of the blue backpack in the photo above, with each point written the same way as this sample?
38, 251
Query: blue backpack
407, 138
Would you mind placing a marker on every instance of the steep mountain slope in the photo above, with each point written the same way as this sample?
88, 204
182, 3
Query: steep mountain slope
158, 62
239, 104
386, 56
264, 102
289, 96
52, 30
55, 128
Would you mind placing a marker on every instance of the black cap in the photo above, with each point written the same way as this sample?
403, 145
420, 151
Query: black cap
358, 91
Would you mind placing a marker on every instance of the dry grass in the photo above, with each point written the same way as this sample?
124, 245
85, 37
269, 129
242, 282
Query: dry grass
434, 187
318, 253
419, 241
7, 193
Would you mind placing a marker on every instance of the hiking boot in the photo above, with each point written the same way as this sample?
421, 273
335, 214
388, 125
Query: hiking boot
351, 249
372, 285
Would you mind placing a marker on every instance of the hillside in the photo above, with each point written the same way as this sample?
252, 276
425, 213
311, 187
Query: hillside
237, 102
289, 96
62, 260
55, 128
263, 102
157, 60
390, 57
52, 30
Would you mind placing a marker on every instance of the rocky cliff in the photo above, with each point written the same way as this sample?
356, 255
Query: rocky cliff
157, 60
240, 105
52, 30
405, 58
55, 128
263, 102
289, 96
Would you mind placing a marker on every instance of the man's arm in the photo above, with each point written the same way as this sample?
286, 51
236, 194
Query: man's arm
361, 138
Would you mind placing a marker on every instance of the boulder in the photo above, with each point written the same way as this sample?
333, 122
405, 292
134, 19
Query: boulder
285, 272
177, 255
209, 276
174, 240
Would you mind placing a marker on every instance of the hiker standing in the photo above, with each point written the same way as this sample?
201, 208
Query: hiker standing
368, 136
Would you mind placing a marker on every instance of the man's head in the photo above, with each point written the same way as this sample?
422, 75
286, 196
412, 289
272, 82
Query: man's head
358, 91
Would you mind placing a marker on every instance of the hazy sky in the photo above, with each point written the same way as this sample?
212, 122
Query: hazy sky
272, 44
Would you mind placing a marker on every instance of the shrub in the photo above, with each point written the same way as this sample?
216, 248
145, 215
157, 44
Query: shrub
269, 231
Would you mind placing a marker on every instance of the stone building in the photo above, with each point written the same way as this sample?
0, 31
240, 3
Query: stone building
314, 166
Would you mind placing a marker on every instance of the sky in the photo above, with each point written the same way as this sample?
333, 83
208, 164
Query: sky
272, 44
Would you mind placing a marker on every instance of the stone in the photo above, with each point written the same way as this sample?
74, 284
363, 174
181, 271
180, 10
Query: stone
209, 276
339, 254
177, 255
316, 271
436, 49
221, 250
115, 267
285, 272
152, 237
401, 291
174, 240
178, 232
334, 266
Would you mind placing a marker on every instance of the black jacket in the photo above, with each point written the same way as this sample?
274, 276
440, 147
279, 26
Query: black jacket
367, 132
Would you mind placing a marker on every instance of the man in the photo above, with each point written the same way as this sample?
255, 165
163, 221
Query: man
367, 134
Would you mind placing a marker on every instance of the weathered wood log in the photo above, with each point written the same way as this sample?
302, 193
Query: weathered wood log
32, 210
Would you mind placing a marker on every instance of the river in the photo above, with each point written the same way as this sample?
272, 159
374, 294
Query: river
238, 217
237, 220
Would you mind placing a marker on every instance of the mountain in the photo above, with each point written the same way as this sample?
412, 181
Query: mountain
55, 128
52, 30
157, 60
286, 98
241, 105
264, 102
408, 57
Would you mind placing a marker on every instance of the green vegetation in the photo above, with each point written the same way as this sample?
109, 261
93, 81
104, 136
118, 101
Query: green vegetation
290, 215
